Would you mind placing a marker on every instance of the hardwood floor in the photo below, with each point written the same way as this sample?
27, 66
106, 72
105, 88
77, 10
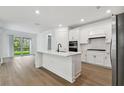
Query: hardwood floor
21, 71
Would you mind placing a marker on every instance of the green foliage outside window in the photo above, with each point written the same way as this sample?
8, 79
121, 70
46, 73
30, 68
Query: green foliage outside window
21, 46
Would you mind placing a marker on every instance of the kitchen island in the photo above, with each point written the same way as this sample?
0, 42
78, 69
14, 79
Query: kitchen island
64, 64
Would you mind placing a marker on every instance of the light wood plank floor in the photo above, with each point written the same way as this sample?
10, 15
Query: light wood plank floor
21, 71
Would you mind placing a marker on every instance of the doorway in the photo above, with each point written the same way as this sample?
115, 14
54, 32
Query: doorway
22, 46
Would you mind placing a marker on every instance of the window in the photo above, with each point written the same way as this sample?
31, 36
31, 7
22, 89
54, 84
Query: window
22, 46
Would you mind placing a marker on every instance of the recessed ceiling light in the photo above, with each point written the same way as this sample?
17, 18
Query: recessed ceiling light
82, 20
60, 25
108, 11
37, 12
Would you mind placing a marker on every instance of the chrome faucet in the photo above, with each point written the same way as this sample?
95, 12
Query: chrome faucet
58, 47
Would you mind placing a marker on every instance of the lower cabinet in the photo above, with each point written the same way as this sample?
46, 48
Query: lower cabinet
98, 58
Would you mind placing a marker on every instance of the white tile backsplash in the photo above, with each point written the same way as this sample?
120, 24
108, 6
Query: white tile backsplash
97, 43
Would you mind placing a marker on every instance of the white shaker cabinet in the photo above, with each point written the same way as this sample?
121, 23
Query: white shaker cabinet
83, 36
100, 58
96, 57
74, 35
91, 57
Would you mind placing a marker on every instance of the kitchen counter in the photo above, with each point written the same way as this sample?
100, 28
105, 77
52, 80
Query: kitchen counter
65, 54
64, 64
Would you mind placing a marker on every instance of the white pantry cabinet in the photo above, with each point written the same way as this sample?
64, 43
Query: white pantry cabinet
74, 35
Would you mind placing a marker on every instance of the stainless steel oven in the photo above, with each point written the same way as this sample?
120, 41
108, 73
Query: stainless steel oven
73, 46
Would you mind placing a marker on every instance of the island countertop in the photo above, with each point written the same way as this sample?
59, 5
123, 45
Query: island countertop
65, 54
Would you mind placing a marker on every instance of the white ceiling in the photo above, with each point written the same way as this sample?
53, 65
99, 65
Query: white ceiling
24, 18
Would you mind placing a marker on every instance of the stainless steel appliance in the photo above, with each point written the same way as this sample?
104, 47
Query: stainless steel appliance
117, 50
73, 46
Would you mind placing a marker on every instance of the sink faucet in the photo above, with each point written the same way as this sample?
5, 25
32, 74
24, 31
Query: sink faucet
58, 47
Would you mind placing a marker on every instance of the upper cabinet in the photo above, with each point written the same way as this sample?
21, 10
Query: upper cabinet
74, 34
84, 36
61, 36
97, 34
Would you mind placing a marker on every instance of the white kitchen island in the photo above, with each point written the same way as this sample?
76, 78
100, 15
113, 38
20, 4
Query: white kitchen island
64, 64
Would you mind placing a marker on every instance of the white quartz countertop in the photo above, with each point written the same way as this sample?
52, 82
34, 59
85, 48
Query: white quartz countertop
65, 54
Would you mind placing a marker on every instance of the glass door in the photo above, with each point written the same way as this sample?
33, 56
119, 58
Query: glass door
22, 46
26, 46
17, 46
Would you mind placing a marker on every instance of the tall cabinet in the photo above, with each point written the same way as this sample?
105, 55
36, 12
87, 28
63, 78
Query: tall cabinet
74, 36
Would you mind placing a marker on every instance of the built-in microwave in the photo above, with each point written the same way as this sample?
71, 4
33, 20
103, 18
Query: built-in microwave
73, 46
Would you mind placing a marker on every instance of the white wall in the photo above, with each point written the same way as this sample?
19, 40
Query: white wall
42, 43
62, 37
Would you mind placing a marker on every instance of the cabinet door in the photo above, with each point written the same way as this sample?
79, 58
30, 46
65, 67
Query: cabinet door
96, 57
90, 57
100, 59
74, 35
83, 36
